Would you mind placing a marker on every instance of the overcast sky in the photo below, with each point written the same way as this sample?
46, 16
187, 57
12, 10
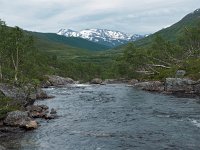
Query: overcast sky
130, 16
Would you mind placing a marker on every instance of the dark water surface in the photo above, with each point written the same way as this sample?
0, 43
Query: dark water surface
114, 117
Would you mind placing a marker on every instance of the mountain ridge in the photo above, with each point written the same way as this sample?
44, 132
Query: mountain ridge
106, 37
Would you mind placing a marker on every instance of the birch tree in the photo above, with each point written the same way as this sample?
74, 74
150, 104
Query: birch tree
2, 46
17, 47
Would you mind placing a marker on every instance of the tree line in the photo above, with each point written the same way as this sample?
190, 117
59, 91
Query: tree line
163, 58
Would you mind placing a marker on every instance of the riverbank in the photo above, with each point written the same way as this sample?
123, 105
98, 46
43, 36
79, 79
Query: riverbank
182, 87
17, 110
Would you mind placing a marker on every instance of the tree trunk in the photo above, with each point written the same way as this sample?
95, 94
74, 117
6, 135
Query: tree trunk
16, 75
15, 67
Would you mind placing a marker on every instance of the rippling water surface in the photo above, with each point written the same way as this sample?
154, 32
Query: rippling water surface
114, 117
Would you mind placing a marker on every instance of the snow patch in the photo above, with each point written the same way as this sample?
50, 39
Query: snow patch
100, 35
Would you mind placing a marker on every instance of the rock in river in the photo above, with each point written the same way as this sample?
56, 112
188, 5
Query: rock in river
53, 111
37, 111
53, 80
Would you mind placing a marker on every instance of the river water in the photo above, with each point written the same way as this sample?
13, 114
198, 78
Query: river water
113, 117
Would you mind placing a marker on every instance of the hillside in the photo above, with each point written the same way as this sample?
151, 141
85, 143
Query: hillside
173, 32
68, 41
163, 53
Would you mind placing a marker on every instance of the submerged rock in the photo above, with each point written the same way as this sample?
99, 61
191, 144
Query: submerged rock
51, 116
53, 111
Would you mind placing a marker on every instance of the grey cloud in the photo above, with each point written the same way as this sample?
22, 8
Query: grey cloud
131, 16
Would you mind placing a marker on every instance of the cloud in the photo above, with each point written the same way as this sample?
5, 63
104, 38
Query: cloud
131, 16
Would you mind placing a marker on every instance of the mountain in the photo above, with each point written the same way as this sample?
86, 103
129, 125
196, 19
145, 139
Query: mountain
67, 41
174, 32
102, 36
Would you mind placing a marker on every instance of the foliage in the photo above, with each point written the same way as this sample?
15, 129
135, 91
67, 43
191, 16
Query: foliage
163, 58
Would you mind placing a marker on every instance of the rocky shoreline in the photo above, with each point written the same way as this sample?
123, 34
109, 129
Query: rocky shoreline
24, 118
182, 87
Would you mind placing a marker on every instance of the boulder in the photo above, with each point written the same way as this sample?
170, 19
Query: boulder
180, 73
58, 81
197, 88
150, 86
45, 84
20, 95
96, 81
37, 111
12, 92
184, 85
16, 118
20, 119
40, 94
31, 125
133, 81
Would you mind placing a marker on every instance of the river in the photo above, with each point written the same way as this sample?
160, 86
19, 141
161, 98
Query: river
113, 117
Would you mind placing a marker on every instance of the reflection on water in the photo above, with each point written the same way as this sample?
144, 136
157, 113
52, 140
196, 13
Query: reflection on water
113, 117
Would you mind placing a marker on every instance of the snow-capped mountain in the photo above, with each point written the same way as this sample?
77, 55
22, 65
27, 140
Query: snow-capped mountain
102, 36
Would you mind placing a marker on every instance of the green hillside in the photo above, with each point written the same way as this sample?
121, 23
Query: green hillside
161, 54
69, 48
69, 41
174, 32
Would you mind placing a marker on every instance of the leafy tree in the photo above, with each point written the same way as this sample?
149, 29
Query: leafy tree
3, 35
190, 41
19, 49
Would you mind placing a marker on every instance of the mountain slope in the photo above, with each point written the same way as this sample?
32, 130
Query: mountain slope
173, 32
69, 41
102, 36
